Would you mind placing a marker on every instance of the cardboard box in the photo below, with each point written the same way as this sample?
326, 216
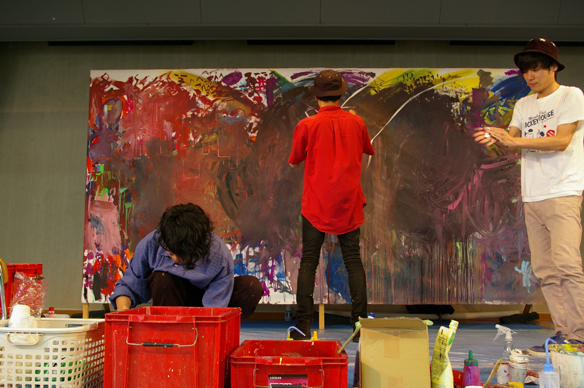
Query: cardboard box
394, 352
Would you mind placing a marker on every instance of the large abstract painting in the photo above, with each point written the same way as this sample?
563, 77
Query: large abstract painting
444, 219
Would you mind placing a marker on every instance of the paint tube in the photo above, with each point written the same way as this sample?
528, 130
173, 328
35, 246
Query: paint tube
441, 374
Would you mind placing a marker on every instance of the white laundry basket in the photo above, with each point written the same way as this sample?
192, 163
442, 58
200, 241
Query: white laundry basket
60, 353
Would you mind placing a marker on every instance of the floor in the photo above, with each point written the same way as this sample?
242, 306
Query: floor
471, 335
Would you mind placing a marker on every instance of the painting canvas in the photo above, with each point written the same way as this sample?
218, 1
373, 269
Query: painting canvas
444, 219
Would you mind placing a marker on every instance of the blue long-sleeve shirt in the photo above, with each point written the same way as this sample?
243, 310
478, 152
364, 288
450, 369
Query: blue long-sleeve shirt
213, 273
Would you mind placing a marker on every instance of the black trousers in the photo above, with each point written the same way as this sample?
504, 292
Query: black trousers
312, 240
171, 290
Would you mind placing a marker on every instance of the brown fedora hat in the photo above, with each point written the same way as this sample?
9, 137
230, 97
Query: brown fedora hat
329, 83
543, 46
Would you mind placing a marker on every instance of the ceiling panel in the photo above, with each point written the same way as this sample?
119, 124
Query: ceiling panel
260, 12
126, 33
51, 12
380, 12
155, 20
572, 12
500, 12
166, 12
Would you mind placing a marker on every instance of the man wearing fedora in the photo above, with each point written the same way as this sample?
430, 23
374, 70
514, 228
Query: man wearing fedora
548, 127
331, 144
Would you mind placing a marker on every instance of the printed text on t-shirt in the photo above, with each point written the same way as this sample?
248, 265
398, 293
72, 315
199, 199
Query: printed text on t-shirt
540, 131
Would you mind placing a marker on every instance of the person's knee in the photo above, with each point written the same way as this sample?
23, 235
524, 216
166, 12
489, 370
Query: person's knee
257, 290
251, 284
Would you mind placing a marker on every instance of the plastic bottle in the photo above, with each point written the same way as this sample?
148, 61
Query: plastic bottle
471, 374
548, 378
50, 313
441, 373
508, 341
288, 314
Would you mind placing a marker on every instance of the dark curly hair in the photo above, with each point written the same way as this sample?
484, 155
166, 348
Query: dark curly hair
185, 230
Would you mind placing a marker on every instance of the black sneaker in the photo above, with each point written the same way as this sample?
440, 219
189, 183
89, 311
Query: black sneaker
539, 351
304, 327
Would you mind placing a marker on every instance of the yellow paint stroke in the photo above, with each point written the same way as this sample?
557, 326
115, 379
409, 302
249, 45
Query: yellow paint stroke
464, 78
194, 82
394, 77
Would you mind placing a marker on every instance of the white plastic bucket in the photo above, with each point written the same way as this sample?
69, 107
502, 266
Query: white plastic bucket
571, 368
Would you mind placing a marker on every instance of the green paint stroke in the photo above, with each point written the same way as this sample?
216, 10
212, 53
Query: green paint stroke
128, 209
104, 193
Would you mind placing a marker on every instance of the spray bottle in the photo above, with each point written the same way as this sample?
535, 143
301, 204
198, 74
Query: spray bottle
548, 378
504, 371
508, 341
441, 370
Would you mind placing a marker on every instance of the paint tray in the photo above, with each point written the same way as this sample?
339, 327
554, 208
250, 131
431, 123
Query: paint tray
58, 353
170, 346
277, 364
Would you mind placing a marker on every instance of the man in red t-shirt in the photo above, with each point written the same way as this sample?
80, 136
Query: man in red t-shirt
331, 144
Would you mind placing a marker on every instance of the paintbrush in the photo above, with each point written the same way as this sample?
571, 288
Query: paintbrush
357, 328
495, 368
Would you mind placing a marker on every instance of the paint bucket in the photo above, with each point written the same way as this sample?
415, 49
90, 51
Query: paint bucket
517, 374
571, 368
518, 362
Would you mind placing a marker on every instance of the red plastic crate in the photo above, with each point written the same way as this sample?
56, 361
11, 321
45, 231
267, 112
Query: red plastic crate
30, 270
170, 346
295, 363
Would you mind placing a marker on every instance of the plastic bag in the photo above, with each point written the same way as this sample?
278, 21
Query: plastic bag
30, 291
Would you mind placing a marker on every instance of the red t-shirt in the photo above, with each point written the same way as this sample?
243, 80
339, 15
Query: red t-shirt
332, 144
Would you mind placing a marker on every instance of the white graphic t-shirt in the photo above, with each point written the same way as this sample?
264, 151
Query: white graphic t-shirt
551, 174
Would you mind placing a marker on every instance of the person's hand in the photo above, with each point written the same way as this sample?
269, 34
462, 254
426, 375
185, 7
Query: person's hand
482, 136
501, 136
123, 303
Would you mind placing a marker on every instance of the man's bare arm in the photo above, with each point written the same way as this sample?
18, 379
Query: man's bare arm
558, 142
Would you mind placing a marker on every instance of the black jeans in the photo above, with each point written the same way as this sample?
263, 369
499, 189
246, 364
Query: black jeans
170, 290
312, 240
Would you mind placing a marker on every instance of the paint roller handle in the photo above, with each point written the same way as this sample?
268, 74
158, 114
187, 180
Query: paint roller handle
357, 328
495, 369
